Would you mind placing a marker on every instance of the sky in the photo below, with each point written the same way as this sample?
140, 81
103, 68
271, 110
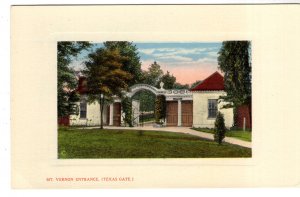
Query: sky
187, 61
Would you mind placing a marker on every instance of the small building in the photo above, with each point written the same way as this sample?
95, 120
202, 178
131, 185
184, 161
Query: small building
207, 103
196, 107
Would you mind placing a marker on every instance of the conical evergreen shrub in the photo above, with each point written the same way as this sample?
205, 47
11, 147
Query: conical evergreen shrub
220, 128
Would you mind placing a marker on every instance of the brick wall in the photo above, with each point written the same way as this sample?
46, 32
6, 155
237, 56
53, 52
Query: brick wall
64, 121
243, 111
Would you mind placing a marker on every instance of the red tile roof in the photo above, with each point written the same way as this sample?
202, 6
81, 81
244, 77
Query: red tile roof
213, 82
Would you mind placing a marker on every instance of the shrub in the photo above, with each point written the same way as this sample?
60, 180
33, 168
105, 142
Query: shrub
127, 109
220, 128
160, 108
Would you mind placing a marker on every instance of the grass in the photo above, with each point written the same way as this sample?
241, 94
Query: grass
239, 134
95, 143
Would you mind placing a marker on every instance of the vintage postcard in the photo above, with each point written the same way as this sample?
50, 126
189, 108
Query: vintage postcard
147, 96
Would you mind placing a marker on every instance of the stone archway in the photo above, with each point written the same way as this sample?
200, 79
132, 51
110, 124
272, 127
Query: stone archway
179, 104
135, 88
137, 105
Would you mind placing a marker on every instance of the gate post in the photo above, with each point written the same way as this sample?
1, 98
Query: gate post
136, 112
111, 114
179, 112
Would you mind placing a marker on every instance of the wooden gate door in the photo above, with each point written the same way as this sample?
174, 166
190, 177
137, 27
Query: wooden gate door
187, 113
117, 114
172, 113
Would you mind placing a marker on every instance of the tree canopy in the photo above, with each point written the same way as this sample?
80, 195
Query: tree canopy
153, 74
181, 86
168, 80
235, 62
105, 77
131, 62
104, 73
66, 79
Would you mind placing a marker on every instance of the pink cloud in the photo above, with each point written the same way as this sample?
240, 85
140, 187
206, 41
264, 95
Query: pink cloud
186, 73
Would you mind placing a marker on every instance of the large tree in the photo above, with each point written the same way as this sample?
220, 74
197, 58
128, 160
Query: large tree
153, 74
132, 63
235, 62
105, 76
66, 80
168, 80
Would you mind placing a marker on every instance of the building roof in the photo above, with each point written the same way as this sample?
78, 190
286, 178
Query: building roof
82, 87
213, 82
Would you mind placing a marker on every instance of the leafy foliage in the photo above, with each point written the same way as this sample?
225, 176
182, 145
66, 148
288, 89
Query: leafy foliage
153, 75
105, 77
235, 61
160, 108
168, 80
147, 100
127, 109
131, 62
220, 128
181, 86
104, 73
66, 80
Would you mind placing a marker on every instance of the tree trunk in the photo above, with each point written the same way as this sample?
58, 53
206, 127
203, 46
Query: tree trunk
101, 112
250, 114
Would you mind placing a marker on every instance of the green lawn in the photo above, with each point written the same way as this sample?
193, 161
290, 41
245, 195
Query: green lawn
95, 143
239, 134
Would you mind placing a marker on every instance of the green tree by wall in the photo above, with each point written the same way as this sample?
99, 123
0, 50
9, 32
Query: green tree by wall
66, 79
105, 77
235, 62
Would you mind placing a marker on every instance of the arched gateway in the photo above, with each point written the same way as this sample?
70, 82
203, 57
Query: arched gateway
138, 87
179, 105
